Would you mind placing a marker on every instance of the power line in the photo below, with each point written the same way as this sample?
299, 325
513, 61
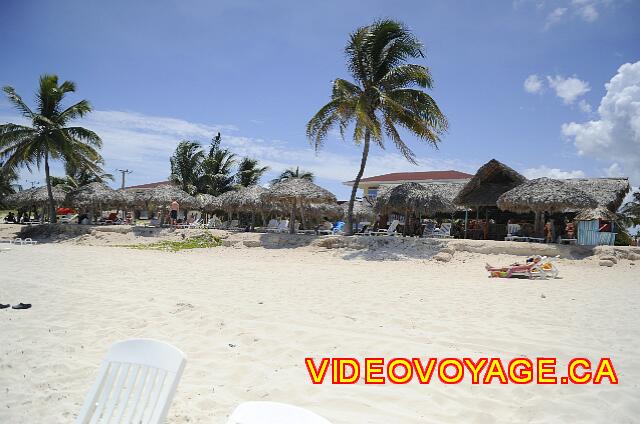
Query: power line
124, 172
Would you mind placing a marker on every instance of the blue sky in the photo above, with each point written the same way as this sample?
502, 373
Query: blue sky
521, 81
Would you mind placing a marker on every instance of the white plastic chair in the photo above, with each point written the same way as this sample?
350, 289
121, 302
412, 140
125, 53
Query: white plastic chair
444, 231
29, 241
17, 240
283, 226
136, 383
273, 413
388, 231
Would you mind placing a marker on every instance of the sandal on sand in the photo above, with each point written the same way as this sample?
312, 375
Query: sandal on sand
4, 306
21, 306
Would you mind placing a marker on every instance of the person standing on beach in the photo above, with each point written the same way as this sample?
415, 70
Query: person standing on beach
175, 207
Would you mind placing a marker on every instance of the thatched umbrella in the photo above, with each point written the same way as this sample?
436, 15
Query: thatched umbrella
361, 210
329, 210
166, 193
247, 199
545, 195
36, 196
163, 195
208, 202
413, 197
608, 192
490, 181
95, 195
599, 212
297, 191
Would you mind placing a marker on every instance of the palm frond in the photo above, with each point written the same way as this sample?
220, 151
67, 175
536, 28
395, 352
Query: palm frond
75, 111
17, 102
407, 75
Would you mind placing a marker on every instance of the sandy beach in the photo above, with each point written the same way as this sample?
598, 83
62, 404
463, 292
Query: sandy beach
247, 317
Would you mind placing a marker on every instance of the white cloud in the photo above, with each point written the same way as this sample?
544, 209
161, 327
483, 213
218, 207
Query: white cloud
555, 16
588, 12
533, 84
615, 135
568, 89
544, 171
584, 106
585, 10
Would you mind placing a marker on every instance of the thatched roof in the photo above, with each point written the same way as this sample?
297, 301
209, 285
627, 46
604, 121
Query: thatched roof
247, 198
36, 195
208, 202
329, 210
165, 194
299, 189
608, 192
362, 209
94, 194
227, 201
490, 181
545, 195
599, 212
412, 196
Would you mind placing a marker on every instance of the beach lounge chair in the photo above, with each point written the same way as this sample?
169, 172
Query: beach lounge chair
283, 226
429, 229
391, 231
271, 226
273, 413
444, 231
534, 267
512, 231
67, 219
136, 383
233, 225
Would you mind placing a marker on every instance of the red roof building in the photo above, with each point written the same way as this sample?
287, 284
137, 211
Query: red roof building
370, 185
149, 185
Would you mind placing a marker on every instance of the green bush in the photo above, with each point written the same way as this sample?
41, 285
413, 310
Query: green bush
622, 238
201, 241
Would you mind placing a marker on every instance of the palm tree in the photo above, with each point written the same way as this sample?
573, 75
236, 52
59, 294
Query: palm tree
217, 176
387, 92
294, 173
249, 173
630, 212
186, 165
8, 179
78, 178
49, 137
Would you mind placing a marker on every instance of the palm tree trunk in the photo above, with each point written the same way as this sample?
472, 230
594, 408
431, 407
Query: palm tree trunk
354, 190
304, 225
52, 207
292, 220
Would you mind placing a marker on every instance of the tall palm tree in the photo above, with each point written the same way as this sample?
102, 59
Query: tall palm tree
186, 165
630, 212
217, 176
387, 93
249, 172
294, 173
8, 180
49, 137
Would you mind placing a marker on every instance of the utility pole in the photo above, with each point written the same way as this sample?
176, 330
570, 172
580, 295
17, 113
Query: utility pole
124, 171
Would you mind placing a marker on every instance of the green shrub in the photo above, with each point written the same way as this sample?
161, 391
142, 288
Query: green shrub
201, 241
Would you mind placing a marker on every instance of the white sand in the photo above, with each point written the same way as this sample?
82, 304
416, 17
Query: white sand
247, 318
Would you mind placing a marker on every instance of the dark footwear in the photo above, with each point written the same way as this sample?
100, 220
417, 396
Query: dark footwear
21, 306
4, 306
